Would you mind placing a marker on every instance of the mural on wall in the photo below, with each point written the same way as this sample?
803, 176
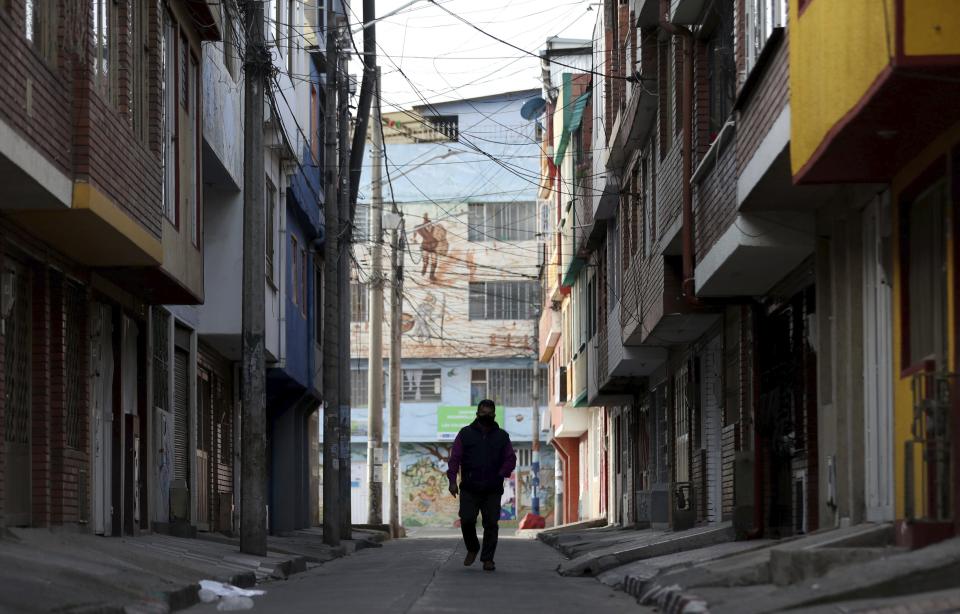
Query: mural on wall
442, 262
432, 237
426, 500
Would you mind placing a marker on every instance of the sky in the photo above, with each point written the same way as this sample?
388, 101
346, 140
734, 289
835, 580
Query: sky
426, 53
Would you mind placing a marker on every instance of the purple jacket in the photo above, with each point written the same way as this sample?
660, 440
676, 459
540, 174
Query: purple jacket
484, 458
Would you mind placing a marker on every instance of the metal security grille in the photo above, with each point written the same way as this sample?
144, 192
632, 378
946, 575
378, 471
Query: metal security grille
506, 387
502, 222
421, 385
16, 312
16, 322
181, 461
75, 309
161, 359
504, 300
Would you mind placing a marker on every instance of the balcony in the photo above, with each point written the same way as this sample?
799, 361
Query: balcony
866, 105
634, 122
653, 310
550, 328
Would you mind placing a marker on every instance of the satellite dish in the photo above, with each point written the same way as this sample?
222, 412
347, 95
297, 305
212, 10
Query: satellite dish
533, 108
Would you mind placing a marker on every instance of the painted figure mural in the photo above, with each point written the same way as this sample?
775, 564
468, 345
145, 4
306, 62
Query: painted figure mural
433, 244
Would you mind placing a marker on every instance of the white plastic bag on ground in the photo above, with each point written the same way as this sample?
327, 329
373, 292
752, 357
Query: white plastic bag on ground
235, 602
231, 597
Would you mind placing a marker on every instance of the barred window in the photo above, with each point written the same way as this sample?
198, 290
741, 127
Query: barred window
504, 300
360, 388
447, 125
506, 387
359, 302
421, 385
502, 222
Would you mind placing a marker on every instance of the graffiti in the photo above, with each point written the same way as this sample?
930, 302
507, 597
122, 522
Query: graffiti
433, 244
511, 341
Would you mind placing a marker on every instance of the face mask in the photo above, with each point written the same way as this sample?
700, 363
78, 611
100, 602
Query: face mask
486, 420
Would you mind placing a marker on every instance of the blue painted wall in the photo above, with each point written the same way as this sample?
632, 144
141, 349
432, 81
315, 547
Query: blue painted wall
492, 124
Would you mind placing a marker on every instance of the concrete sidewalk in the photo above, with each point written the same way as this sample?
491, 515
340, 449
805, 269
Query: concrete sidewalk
43, 570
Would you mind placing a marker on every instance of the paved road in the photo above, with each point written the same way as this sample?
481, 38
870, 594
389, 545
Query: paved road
426, 575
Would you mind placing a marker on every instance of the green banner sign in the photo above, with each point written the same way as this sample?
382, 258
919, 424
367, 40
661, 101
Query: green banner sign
450, 419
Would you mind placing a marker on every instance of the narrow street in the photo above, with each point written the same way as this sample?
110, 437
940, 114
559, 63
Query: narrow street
426, 574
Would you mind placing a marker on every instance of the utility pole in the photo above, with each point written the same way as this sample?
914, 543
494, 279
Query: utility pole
535, 422
396, 339
331, 295
375, 346
253, 468
344, 237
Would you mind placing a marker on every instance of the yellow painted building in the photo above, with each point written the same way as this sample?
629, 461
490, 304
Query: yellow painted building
874, 85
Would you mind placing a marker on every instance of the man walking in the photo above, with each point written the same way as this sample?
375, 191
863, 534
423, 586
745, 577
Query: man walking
484, 457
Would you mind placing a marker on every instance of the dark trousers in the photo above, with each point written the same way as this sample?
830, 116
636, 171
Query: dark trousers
488, 506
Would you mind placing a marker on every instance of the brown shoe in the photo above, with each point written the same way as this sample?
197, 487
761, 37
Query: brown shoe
469, 559
489, 566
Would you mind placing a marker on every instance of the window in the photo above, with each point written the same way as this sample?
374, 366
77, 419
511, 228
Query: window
40, 27
506, 387
168, 55
361, 220
650, 199
359, 302
504, 300
762, 17
722, 68
231, 46
360, 387
447, 125
271, 212
318, 301
139, 100
295, 270
278, 21
314, 125
194, 183
502, 222
183, 76
926, 281
666, 100
303, 282
421, 385
103, 55
291, 30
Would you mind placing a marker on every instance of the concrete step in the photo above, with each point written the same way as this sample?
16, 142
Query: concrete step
791, 566
647, 544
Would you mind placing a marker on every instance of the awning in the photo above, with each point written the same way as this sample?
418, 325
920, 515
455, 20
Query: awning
576, 118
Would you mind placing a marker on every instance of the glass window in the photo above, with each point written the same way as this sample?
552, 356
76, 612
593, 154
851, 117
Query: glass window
104, 46
271, 213
762, 16
926, 282
722, 68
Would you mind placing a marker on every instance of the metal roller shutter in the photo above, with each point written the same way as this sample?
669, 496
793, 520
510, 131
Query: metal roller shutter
181, 415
